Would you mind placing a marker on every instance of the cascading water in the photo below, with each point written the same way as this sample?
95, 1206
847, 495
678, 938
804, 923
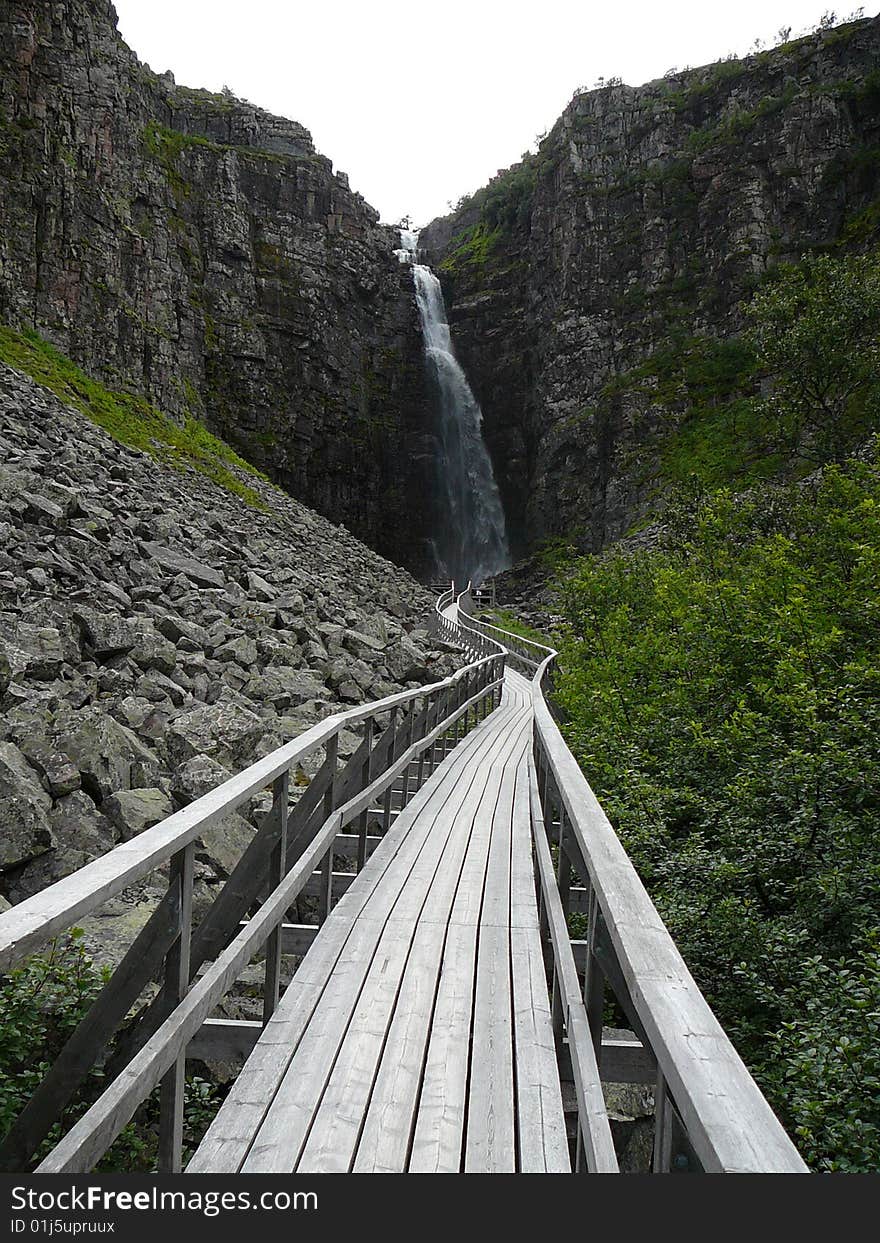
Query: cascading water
472, 543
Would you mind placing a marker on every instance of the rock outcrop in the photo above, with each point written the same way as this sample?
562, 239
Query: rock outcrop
158, 633
582, 281
199, 251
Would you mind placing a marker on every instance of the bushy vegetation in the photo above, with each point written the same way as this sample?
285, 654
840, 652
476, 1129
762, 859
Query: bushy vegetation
722, 693
128, 418
816, 333
723, 699
41, 1003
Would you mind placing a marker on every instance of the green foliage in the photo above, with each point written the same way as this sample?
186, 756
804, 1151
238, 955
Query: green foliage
816, 332
722, 697
41, 1004
506, 202
471, 249
509, 621
128, 418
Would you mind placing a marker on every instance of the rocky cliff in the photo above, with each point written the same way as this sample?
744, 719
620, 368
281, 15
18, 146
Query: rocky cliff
596, 289
197, 250
158, 632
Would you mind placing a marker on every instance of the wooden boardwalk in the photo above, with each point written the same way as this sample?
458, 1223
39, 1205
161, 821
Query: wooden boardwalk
416, 1034
441, 1004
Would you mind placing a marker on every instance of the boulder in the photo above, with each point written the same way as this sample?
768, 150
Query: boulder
177, 563
56, 770
31, 651
107, 634
25, 831
109, 756
132, 811
226, 731
224, 843
153, 650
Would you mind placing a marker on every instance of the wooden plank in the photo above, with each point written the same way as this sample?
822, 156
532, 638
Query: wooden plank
543, 1146
592, 1114
336, 1067
228, 1140
438, 1137
490, 1145
437, 1140
176, 982
384, 1142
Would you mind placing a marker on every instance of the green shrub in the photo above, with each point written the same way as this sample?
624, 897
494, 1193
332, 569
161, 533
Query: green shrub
41, 1004
722, 697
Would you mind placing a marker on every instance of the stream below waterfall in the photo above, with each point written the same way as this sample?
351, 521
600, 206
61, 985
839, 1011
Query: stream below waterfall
472, 540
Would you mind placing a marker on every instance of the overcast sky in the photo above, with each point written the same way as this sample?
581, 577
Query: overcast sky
422, 103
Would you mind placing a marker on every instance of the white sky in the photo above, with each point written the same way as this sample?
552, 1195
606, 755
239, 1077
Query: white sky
422, 103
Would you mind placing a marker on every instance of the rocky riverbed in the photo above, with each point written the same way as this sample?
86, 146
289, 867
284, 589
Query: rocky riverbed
158, 633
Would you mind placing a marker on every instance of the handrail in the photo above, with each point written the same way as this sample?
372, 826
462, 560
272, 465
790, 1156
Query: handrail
710, 1113
405, 736
57, 907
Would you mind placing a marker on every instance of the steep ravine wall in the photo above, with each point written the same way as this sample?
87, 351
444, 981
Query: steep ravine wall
629, 242
196, 249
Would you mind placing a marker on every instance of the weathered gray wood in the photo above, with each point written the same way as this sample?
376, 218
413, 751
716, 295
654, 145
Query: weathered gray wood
592, 1114
383, 1145
99, 1126
342, 1067
230, 1137
277, 869
177, 971
53, 910
542, 1142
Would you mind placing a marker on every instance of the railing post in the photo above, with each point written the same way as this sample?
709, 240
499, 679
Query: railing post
407, 743
563, 880
392, 749
366, 775
325, 896
176, 984
594, 980
662, 1159
277, 872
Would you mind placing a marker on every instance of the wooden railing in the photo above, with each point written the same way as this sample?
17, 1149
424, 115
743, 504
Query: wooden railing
710, 1114
403, 738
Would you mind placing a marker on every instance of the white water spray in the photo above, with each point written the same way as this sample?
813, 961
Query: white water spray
473, 541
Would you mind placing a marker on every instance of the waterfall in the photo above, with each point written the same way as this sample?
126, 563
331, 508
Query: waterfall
472, 541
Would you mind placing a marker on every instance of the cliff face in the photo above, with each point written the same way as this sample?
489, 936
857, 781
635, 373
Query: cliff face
199, 251
594, 287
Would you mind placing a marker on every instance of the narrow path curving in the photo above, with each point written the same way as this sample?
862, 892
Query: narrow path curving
416, 1034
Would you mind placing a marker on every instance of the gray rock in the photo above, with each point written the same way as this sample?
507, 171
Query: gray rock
153, 650
132, 811
108, 755
176, 563
242, 650
223, 730
5, 671
24, 810
197, 776
31, 651
106, 634
56, 770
